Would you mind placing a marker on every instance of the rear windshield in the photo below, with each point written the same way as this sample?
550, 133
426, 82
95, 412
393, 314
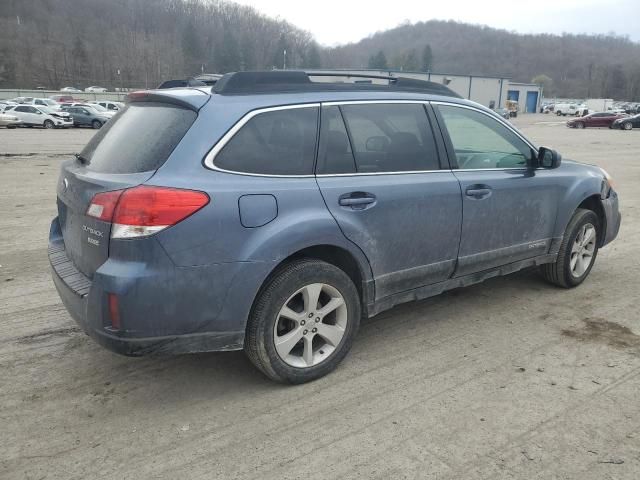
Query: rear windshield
139, 138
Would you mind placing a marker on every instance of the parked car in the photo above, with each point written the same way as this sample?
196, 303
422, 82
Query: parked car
58, 113
94, 107
45, 102
38, 116
65, 99
627, 123
180, 83
599, 119
109, 105
565, 109
70, 90
23, 100
95, 89
8, 120
247, 217
6, 103
84, 116
503, 112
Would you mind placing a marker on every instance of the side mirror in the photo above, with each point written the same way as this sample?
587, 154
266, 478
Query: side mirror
377, 144
548, 158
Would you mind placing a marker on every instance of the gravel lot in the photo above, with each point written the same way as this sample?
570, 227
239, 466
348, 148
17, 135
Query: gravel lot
509, 379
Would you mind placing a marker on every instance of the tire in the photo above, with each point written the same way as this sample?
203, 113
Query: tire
627, 126
580, 125
48, 124
558, 113
561, 272
311, 356
96, 124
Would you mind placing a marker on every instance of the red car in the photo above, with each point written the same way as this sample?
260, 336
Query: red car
65, 99
602, 119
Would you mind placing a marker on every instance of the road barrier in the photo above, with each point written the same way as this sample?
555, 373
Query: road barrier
113, 96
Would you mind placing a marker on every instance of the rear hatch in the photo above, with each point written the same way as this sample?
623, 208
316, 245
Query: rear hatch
124, 153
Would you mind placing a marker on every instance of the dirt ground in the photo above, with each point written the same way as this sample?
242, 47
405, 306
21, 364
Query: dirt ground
509, 379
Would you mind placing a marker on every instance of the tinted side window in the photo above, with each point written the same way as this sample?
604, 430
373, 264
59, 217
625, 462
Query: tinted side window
280, 142
21, 109
335, 155
481, 142
391, 137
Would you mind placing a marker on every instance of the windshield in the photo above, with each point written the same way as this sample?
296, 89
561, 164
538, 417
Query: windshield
99, 108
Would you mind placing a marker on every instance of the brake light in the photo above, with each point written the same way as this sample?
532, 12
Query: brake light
145, 210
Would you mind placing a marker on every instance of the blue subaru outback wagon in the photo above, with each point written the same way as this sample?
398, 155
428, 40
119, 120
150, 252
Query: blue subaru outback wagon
271, 212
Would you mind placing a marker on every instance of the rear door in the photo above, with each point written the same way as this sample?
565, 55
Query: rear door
124, 153
509, 208
380, 175
25, 113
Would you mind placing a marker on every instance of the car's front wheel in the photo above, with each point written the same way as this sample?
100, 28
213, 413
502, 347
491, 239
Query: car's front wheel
628, 126
577, 252
48, 124
303, 322
96, 124
580, 125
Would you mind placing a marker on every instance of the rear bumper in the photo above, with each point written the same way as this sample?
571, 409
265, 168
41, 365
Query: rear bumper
163, 308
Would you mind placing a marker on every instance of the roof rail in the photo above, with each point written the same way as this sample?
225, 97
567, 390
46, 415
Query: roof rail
291, 81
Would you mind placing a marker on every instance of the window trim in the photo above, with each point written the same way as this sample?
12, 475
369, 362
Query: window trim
449, 145
441, 132
217, 148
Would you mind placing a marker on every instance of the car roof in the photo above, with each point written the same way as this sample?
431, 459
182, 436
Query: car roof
252, 90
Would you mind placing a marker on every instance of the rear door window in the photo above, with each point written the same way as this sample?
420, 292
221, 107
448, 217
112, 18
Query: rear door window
335, 154
390, 137
139, 138
278, 142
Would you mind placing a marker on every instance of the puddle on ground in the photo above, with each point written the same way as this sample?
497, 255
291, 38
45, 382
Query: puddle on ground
598, 330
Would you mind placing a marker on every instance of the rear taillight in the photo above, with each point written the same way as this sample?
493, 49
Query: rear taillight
145, 210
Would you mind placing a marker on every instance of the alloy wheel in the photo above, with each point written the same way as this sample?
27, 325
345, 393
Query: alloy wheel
310, 325
582, 250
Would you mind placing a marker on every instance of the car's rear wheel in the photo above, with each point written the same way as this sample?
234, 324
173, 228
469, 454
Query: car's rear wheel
577, 252
96, 124
48, 124
627, 126
303, 322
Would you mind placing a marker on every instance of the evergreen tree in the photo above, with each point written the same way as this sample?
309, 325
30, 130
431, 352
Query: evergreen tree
427, 58
378, 61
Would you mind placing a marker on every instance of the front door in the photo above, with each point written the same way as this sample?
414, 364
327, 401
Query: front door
509, 208
380, 176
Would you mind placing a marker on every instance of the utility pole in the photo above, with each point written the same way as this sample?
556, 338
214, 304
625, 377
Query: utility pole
284, 63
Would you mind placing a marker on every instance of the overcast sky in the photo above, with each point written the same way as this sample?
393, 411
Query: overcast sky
335, 22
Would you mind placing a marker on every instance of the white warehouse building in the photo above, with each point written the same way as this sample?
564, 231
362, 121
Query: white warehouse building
492, 92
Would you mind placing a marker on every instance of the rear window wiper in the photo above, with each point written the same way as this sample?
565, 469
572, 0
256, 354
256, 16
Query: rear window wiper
80, 158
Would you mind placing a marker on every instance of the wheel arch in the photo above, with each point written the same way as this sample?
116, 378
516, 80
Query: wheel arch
354, 265
583, 193
594, 203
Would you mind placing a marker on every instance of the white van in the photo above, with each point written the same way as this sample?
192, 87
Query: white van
565, 109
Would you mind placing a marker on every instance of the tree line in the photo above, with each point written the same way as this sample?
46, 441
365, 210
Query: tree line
579, 66
139, 43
